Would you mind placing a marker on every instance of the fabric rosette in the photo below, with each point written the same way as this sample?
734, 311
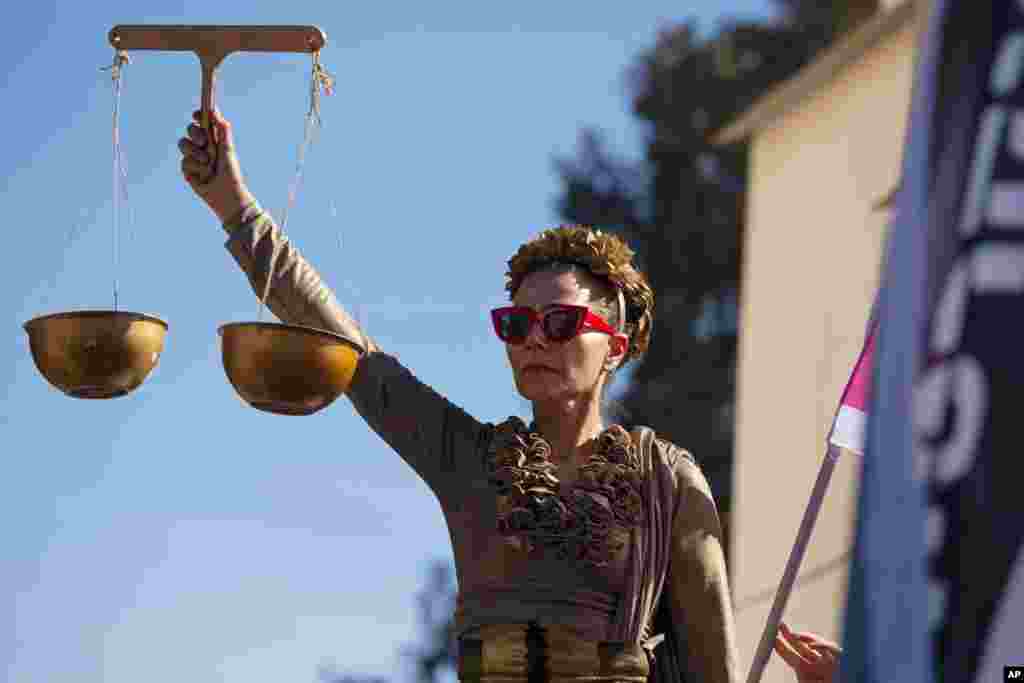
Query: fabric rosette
588, 524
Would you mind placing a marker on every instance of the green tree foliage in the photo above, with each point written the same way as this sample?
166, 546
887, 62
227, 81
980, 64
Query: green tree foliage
435, 654
681, 208
822, 20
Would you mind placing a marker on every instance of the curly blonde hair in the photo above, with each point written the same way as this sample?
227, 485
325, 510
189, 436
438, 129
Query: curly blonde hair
604, 256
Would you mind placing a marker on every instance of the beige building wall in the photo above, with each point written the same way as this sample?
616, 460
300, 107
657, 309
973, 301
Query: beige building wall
812, 260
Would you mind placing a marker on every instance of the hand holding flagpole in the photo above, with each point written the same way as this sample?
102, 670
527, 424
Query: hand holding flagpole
847, 433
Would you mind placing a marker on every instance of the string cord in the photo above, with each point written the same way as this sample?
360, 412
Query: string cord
120, 185
321, 81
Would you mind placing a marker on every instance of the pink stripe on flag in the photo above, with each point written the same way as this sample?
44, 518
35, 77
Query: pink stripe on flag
848, 426
856, 394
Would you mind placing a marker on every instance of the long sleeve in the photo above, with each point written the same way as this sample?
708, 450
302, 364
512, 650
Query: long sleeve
435, 437
442, 442
697, 585
298, 295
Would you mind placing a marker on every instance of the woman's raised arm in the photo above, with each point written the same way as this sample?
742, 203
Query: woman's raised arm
436, 437
297, 296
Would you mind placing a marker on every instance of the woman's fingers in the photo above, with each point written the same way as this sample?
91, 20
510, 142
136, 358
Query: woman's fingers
193, 151
819, 645
798, 644
221, 124
812, 658
818, 641
808, 639
809, 653
828, 655
197, 135
785, 650
191, 167
197, 115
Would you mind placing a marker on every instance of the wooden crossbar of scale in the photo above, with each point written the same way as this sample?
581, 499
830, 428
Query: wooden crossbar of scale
213, 43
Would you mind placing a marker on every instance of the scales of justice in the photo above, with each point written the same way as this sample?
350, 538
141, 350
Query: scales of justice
274, 367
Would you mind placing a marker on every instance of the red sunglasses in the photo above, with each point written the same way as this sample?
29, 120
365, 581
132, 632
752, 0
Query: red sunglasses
560, 322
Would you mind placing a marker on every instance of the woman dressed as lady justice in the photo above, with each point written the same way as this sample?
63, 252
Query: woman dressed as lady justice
583, 551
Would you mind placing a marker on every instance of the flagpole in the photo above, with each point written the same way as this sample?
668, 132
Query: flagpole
796, 556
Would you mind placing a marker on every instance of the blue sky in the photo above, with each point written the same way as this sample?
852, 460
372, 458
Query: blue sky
175, 534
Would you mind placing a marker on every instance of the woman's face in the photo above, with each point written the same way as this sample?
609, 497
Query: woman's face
544, 370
